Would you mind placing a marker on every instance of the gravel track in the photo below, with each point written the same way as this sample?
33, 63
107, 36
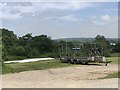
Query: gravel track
79, 76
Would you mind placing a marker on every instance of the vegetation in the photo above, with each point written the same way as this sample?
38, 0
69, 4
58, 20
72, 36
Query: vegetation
116, 48
28, 46
113, 59
113, 75
103, 45
40, 65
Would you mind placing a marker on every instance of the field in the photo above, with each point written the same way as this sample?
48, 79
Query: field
114, 74
41, 65
54, 74
113, 59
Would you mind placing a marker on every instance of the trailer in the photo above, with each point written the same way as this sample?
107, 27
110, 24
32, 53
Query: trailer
96, 57
84, 60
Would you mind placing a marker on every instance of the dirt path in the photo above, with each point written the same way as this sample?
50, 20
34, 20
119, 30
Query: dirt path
79, 76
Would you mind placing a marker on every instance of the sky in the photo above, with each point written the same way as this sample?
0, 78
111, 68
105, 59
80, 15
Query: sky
61, 19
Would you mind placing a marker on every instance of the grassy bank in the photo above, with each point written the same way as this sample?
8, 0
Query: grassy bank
113, 59
115, 74
40, 65
112, 75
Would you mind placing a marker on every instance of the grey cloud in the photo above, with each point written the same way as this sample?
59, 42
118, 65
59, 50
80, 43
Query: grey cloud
33, 8
15, 11
59, 29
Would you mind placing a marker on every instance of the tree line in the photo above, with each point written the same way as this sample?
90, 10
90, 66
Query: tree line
28, 46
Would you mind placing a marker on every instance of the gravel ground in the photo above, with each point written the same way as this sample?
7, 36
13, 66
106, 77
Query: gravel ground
79, 76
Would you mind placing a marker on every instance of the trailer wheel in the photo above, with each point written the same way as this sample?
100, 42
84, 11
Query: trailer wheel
106, 64
86, 63
80, 62
69, 61
75, 61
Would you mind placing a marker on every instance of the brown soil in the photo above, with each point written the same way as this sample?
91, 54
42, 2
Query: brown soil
79, 76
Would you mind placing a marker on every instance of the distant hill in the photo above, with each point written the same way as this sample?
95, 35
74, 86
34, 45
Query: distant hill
112, 40
76, 39
83, 40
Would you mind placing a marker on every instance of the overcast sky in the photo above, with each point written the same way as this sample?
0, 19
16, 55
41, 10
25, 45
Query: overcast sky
61, 19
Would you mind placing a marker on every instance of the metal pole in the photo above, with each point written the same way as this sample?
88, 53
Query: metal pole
66, 48
91, 50
95, 50
102, 50
79, 48
59, 48
62, 48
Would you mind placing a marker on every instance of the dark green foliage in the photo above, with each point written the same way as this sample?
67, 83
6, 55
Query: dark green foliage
15, 57
42, 43
116, 48
103, 45
27, 46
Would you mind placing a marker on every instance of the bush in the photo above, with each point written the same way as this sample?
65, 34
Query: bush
10, 58
54, 55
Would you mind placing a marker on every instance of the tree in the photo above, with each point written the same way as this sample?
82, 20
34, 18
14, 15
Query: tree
4, 54
43, 43
20, 51
116, 48
25, 40
103, 45
9, 40
25, 46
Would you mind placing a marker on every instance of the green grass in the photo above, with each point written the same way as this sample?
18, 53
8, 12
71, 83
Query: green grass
113, 59
113, 75
40, 65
